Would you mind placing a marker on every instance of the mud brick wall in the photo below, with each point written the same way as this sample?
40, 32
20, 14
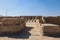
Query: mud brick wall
26, 18
53, 20
41, 19
1, 19
10, 20
51, 29
11, 25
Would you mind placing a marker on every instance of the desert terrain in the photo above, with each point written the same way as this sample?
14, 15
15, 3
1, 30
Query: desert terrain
33, 31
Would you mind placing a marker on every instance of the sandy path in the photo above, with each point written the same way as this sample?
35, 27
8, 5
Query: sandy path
35, 32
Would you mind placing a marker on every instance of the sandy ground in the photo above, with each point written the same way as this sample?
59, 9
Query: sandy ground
33, 31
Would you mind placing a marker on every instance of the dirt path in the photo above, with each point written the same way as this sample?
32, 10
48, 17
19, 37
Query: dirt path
35, 32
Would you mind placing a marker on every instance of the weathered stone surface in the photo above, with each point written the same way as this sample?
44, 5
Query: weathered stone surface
10, 20
53, 20
49, 29
11, 25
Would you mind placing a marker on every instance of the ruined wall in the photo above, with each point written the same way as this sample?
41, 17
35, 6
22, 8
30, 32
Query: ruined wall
53, 20
11, 25
31, 18
41, 19
51, 28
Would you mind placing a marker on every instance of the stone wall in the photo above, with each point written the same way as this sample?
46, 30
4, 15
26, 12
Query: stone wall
53, 20
31, 18
52, 29
12, 25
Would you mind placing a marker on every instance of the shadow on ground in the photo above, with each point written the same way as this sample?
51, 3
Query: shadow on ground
24, 34
55, 35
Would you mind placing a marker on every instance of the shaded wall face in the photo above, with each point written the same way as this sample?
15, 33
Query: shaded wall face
53, 20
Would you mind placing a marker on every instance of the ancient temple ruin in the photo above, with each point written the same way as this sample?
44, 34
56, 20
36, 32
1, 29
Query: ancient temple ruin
50, 24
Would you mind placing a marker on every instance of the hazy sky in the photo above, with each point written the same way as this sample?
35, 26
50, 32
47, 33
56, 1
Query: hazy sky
30, 7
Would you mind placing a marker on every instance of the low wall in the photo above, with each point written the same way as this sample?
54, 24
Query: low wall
52, 29
53, 20
12, 25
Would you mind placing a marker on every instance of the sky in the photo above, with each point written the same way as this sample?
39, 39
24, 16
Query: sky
30, 7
